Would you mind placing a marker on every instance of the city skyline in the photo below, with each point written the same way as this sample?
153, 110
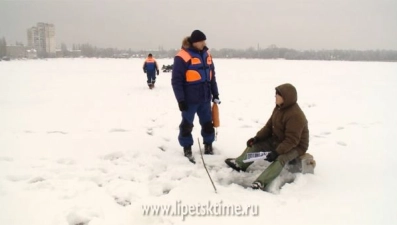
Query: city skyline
136, 24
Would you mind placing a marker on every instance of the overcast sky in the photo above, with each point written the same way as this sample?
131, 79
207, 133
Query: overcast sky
148, 24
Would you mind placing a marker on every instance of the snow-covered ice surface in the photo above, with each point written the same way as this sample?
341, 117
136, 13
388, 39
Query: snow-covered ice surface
84, 141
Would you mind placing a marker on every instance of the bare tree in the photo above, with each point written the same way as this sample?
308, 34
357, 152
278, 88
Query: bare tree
3, 47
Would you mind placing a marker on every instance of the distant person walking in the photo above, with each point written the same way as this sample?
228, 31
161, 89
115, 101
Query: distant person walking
150, 68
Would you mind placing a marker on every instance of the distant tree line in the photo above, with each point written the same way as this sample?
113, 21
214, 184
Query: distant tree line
271, 52
88, 50
3, 47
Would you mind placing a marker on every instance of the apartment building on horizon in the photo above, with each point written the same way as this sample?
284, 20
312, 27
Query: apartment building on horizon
42, 38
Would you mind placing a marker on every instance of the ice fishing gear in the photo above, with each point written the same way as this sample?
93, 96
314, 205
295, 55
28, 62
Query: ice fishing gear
202, 158
251, 157
215, 117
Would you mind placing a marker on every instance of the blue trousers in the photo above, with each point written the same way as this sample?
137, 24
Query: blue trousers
203, 111
151, 77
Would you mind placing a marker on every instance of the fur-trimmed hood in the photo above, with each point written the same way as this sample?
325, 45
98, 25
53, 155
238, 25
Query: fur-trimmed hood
186, 44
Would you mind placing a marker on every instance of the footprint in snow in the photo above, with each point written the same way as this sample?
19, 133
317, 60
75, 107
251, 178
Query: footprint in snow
322, 134
341, 143
66, 161
56, 132
36, 180
310, 105
113, 156
17, 177
80, 217
117, 130
149, 131
318, 136
6, 159
122, 202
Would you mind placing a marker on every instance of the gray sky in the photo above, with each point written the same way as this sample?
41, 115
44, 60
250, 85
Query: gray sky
148, 24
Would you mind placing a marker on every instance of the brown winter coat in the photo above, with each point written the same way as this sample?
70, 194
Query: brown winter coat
288, 125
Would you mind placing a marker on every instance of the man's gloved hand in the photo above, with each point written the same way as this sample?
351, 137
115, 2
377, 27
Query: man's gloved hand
182, 106
144, 70
158, 72
271, 156
251, 142
216, 100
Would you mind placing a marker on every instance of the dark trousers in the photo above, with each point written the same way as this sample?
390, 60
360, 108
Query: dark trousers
203, 111
151, 77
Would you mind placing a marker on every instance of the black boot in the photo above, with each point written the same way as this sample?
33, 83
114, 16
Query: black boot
188, 153
233, 164
208, 149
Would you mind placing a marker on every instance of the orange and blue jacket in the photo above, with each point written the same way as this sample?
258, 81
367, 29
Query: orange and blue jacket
193, 76
150, 65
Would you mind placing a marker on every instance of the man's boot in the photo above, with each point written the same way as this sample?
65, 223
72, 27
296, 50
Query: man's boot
208, 149
188, 153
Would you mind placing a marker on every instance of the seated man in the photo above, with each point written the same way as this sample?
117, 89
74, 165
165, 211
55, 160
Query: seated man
285, 137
